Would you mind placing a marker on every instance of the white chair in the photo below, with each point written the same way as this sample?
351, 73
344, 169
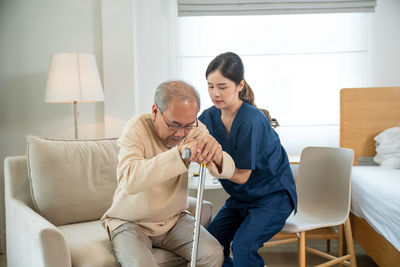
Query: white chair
324, 195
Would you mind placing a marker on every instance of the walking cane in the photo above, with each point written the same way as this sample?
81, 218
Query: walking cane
200, 188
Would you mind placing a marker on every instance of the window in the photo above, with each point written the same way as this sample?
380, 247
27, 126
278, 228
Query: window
295, 64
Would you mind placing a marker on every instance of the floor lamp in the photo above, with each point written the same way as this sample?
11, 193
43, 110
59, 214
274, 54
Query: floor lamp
73, 78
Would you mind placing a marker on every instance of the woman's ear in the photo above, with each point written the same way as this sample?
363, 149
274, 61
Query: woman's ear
241, 85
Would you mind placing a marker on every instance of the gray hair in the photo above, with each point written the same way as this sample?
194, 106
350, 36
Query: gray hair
169, 90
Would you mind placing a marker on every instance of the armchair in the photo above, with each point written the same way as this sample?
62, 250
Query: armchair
43, 228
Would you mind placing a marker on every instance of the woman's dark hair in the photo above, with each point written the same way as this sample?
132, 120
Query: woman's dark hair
231, 67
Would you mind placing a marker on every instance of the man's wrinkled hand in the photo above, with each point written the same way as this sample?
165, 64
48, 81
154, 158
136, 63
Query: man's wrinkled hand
208, 151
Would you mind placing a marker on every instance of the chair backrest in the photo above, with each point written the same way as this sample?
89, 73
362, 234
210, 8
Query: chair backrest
324, 181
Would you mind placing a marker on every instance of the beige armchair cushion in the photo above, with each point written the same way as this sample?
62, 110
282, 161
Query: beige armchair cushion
72, 180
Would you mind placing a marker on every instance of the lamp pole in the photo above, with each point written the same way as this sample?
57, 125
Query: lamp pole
75, 120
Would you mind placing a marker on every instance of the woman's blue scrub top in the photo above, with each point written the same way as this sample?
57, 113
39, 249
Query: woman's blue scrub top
252, 144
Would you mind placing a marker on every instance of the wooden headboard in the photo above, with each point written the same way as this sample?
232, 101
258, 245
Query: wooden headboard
364, 113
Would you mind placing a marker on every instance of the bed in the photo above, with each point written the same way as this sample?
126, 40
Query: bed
375, 208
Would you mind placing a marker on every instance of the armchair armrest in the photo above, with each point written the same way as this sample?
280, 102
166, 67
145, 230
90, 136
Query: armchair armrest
32, 240
206, 210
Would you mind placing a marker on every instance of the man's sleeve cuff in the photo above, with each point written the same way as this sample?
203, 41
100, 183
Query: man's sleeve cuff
228, 167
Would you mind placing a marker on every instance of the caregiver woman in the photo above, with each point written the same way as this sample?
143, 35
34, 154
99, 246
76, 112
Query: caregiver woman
262, 190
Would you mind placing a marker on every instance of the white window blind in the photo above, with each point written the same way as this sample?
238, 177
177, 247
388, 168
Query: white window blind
295, 64
270, 7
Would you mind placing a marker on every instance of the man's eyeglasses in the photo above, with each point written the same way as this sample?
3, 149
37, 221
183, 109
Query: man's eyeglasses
176, 127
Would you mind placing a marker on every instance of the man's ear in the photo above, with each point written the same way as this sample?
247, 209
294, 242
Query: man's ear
154, 111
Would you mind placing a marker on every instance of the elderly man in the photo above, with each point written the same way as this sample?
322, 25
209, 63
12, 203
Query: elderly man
149, 206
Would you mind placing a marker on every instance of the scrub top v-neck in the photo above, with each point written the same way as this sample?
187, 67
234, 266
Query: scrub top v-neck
252, 144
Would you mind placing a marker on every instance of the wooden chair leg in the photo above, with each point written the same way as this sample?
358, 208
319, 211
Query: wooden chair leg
340, 242
349, 242
302, 249
328, 245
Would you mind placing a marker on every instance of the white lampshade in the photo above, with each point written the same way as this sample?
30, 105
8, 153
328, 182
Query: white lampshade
73, 77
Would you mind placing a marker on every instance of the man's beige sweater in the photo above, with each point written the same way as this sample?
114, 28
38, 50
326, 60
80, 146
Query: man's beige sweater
152, 179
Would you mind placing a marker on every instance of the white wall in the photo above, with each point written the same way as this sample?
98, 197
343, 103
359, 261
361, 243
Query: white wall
139, 54
118, 64
384, 44
30, 31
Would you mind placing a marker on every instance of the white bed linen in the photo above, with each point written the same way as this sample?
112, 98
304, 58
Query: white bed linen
376, 198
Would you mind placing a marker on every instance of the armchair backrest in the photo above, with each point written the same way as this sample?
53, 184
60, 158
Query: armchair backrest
16, 180
65, 181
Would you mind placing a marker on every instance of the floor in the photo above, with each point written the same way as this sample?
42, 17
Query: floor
286, 255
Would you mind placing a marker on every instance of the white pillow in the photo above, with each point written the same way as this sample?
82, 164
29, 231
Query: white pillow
72, 180
388, 148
